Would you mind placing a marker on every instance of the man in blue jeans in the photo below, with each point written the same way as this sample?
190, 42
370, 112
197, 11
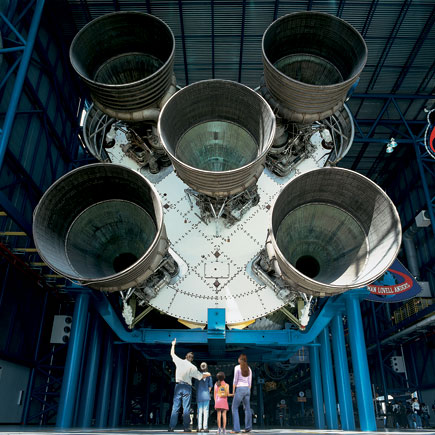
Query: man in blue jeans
184, 373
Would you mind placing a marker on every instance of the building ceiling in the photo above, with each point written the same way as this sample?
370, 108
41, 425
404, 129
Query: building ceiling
222, 39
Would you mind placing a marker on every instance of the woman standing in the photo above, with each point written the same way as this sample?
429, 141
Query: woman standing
242, 393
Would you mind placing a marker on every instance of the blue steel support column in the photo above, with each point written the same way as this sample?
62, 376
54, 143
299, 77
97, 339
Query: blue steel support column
125, 394
80, 384
35, 359
65, 412
91, 376
379, 351
342, 374
260, 403
316, 387
328, 380
105, 383
117, 387
19, 80
360, 365
147, 394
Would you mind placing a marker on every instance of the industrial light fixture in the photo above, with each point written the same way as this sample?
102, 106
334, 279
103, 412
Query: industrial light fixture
391, 145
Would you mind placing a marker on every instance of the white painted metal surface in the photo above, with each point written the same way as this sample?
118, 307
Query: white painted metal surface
215, 261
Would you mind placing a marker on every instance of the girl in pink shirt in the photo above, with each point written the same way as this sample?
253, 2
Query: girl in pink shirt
221, 394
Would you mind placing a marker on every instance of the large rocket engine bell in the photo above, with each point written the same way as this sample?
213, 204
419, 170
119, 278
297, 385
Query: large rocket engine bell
101, 225
332, 230
311, 61
217, 134
126, 59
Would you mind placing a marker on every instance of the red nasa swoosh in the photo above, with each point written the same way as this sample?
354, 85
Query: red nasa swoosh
396, 288
432, 140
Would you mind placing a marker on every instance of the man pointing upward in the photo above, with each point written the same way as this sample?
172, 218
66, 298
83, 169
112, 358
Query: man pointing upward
184, 373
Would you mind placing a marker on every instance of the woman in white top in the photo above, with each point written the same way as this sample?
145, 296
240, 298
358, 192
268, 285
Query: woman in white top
242, 393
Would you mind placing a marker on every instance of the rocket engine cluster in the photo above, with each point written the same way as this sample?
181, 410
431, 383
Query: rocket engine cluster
329, 230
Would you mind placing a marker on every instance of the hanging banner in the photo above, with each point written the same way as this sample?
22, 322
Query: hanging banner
395, 285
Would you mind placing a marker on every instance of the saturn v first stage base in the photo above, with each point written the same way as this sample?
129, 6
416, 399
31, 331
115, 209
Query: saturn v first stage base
240, 220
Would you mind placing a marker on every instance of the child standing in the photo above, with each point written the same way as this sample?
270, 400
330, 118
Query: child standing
221, 393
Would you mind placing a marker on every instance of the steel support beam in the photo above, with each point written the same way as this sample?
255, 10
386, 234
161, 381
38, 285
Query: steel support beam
360, 365
117, 387
379, 352
125, 392
35, 357
91, 376
342, 374
183, 40
316, 387
105, 383
427, 195
328, 380
65, 413
82, 373
287, 339
19, 80
216, 331
242, 40
260, 402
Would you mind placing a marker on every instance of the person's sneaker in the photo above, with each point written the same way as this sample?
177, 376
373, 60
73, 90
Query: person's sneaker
224, 432
171, 430
205, 430
187, 430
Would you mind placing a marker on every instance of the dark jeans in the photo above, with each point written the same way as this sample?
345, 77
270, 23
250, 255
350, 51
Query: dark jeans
182, 396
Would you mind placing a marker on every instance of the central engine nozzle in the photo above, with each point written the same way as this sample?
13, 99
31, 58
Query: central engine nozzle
126, 59
311, 60
333, 230
102, 225
217, 134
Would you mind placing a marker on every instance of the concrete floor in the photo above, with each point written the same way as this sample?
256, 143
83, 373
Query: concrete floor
28, 430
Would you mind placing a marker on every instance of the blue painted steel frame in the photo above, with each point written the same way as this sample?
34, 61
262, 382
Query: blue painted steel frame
328, 380
86, 404
417, 141
288, 339
342, 373
19, 81
105, 383
32, 372
117, 387
217, 337
65, 413
360, 365
316, 387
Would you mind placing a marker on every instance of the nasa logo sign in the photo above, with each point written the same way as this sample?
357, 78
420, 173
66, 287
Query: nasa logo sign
397, 284
432, 142
430, 134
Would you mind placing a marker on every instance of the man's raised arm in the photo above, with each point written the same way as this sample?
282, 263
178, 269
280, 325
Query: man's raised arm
173, 347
